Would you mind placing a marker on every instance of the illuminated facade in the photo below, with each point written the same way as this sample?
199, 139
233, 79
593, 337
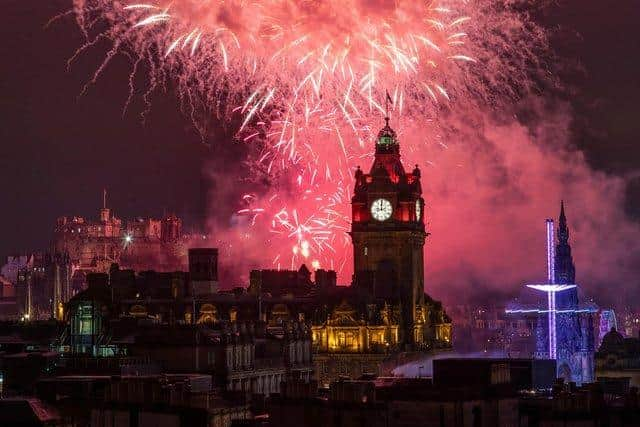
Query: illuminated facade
387, 312
93, 246
384, 317
565, 330
343, 332
388, 233
88, 313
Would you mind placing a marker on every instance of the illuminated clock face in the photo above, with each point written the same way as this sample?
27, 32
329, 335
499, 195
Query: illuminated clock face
418, 210
381, 209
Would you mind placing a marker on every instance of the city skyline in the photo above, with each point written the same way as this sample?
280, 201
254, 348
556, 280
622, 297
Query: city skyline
311, 213
172, 168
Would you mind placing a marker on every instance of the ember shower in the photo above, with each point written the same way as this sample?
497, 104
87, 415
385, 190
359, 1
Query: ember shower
305, 84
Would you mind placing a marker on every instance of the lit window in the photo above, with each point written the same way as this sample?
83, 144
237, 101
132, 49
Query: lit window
85, 326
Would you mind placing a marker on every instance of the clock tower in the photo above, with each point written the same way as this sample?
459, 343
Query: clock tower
388, 232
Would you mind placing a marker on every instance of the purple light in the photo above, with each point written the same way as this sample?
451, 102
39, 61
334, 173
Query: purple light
551, 253
551, 288
551, 291
538, 311
546, 287
553, 343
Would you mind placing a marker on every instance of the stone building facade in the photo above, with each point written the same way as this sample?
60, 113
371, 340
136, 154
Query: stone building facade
384, 316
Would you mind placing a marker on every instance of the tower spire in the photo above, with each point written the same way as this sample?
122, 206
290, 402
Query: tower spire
387, 138
565, 271
563, 229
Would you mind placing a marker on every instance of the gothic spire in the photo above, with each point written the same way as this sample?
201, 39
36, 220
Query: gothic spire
565, 269
563, 229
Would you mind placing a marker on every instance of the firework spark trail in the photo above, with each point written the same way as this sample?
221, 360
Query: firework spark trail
307, 82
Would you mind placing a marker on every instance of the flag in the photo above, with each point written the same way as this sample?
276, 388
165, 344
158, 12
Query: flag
388, 101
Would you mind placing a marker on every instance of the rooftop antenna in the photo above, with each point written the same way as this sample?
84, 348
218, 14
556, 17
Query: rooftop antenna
104, 198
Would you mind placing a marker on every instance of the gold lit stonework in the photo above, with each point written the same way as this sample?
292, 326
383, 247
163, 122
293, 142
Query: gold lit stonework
395, 320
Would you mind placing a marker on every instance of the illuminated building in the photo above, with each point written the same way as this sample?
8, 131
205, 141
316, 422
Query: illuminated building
141, 243
388, 234
565, 330
552, 312
384, 317
82, 246
385, 312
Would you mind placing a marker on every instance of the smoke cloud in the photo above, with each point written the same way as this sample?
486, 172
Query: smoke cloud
489, 130
489, 193
489, 182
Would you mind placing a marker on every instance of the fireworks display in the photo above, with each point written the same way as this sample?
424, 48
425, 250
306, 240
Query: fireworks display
304, 82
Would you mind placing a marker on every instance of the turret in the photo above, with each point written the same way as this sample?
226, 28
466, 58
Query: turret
105, 212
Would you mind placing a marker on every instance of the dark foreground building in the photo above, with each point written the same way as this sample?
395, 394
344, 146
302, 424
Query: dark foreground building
521, 374
619, 358
498, 392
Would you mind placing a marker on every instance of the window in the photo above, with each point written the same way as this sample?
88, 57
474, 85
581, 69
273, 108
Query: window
377, 338
84, 320
350, 341
345, 339
85, 326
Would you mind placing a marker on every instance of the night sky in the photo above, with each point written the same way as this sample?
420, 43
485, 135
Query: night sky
59, 149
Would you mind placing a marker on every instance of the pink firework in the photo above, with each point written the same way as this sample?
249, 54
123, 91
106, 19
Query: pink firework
306, 82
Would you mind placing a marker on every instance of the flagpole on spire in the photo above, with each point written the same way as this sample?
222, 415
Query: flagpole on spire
386, 105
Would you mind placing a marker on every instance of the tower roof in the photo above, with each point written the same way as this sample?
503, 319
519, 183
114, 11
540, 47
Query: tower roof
387, 135
563, 229
387, 141
565, 271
